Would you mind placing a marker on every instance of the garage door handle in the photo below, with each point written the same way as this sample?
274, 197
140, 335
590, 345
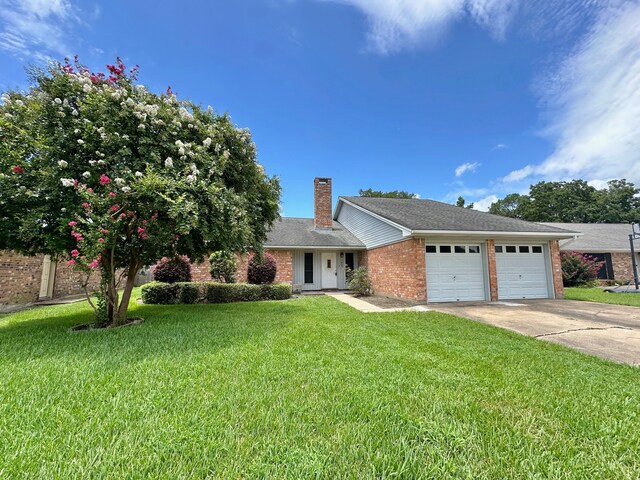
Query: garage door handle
454, 277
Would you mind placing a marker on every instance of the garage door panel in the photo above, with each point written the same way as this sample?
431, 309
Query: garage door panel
454, 276
521, 274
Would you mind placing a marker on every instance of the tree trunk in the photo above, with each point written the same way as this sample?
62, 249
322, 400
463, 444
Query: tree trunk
126, 295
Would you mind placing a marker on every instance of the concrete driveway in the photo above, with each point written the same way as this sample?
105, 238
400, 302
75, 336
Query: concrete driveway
608, 331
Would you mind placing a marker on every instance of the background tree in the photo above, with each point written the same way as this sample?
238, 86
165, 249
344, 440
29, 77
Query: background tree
392, 194
111, 176
461, 202
573, 202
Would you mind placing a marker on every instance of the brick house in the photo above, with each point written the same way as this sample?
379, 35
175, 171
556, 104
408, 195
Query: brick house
608, 242
415, 249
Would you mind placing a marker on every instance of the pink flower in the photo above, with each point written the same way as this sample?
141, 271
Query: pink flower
123, 215
93, 264
90, 190
112, 194
75, 182
17, 169
104, 230
86, 205
75, 253
144, 236
101, 240
71, 262
72, 223
104, 180
115, 207
140, 230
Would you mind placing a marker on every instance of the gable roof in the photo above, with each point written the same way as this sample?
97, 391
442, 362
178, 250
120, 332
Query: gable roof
596, 237
301, 232
419, 215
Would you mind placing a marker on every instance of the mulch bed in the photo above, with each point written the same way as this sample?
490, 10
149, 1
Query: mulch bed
92, 326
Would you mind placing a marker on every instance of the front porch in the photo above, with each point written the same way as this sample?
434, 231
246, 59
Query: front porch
322, 269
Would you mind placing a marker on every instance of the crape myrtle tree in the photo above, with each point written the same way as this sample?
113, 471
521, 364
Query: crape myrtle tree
97, 170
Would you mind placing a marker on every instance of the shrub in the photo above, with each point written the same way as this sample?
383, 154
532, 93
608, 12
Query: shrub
160, 293
262, 269
223, 266
579, 269
360, 282
188, 292
171, 270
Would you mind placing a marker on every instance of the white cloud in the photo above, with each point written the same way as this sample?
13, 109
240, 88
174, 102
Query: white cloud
466, 167
36, 28
594, 103
520, 174
484, 203
500, 146
395, 24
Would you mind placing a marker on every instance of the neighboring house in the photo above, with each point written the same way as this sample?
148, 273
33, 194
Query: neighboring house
29, 279
608, 242
416, 249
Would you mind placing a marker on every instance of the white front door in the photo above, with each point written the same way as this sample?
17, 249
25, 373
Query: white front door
329, 270
522, 272
455, 273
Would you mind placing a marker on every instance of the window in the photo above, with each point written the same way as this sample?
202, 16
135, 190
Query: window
498, 248
431, 249
606, 270
460, 249
445, 248
511, 249
524, 248
348, 261
536, 249
308, 267
474, 249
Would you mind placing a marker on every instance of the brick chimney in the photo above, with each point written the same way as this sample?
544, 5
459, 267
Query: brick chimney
322, 203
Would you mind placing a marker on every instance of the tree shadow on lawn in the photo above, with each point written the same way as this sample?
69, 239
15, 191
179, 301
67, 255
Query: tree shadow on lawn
166, 330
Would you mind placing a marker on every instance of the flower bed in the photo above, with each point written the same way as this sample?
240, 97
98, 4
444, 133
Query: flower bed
212, 292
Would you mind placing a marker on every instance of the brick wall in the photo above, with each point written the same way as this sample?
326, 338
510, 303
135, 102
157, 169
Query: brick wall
622, 266
556, 268
493, 272
398, 270
322, 203
68, 282
284, 267
19, 277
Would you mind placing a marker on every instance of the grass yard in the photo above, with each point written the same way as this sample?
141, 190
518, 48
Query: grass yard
598, 295
305, 388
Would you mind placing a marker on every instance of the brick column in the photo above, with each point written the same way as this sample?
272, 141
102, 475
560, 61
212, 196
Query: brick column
556, 268
493, 273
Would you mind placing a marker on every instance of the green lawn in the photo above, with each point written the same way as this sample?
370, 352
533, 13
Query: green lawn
598, 295
305, 388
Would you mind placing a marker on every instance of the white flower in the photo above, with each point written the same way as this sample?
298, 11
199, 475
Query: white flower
77, 131
65, 103
20, 103
61, 114
207, 142
119, 181
168, 162
8, 115
62, 164
74, 112
126, 189
63, 210
86, 88
80, 141
218, 148
226, 154
101, 162
191, 178
181, 150
141, 127
86, 174
67, 182
92, 162
6, 99
139, 174
58, 101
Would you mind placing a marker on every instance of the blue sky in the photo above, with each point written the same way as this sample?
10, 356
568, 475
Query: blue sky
478, 98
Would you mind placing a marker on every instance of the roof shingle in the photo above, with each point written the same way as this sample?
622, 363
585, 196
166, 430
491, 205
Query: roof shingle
300, 232
417, 214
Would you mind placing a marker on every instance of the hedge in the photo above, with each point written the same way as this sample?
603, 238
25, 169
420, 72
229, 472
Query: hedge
212, 292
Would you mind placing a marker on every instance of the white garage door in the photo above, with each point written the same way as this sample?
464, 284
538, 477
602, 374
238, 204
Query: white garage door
522, 272
454, 273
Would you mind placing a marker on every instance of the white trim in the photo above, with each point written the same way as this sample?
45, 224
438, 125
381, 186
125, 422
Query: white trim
405, 231
493, 234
